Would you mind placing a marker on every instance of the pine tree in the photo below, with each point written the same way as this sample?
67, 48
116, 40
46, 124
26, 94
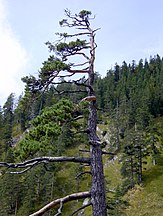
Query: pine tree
58, 66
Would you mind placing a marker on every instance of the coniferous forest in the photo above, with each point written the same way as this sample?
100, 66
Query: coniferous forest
52, 121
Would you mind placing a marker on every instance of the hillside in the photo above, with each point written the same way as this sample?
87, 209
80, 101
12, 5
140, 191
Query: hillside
130, 127
147, 199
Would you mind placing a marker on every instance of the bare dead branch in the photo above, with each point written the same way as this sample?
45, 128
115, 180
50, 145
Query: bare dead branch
23, 171
65, 199
72, 82
78, 71
65, 55
44, 159
78, 117
60, 209
78, 34
82, 64
84, 55
83, 84
64, 76
83, 207
70, 73
73, 91
78, 83
83, 173
69, 92
82, 28
96, 30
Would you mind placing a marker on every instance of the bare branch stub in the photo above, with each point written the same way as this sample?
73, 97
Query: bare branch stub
83, 173
81, 208
60, 208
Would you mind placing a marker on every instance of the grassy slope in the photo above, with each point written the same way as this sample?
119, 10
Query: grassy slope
148, 199
145, 200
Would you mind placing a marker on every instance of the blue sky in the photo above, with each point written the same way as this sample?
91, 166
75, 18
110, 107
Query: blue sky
130, 30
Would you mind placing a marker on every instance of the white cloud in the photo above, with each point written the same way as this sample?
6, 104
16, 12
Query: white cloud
13, 58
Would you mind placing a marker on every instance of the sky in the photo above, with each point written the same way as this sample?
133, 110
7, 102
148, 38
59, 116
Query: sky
130, 30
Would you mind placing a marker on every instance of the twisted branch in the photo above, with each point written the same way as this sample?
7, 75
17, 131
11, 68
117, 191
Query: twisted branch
63, 200
33, 162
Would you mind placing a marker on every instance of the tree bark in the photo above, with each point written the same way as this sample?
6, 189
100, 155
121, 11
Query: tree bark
98, 182
98, 198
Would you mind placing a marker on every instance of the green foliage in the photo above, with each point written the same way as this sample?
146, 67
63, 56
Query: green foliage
10, 194
8, 116
72, 46
47, 73
131, 95
29, 80
50, 69
52, 133
47, 129
128, 92
84, 14
62, 22
138, 86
